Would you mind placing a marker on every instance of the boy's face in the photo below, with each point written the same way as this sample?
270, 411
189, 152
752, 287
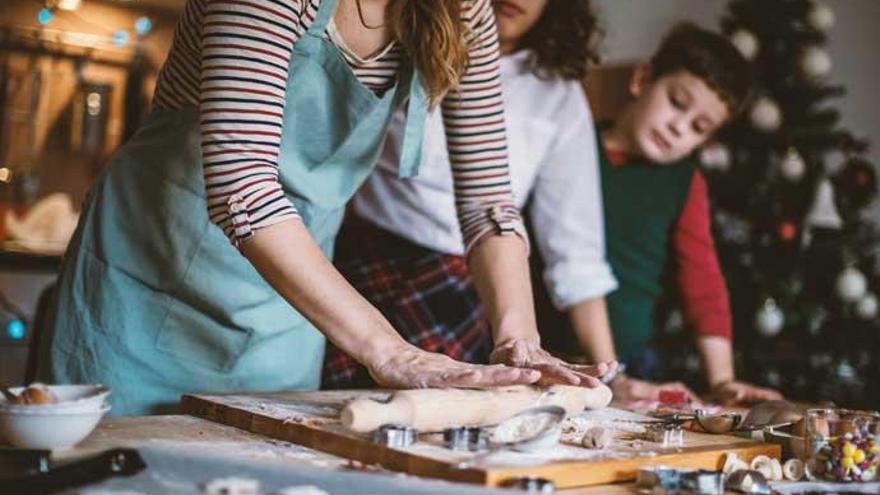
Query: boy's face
673, 115
516, 17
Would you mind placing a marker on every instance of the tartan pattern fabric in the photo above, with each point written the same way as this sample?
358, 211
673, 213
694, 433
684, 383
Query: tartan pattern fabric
427, 296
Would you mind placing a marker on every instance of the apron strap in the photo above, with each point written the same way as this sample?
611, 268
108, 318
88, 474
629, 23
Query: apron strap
322, 18
414, 130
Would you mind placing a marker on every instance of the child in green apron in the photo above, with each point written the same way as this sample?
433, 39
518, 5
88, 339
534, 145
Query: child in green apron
656, 210
200, 262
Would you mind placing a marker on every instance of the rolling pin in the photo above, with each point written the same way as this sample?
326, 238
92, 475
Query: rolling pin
438, 409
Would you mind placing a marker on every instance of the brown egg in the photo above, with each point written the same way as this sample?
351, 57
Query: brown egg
37, 395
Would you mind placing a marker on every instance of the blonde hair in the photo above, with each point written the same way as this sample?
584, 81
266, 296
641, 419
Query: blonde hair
434, 38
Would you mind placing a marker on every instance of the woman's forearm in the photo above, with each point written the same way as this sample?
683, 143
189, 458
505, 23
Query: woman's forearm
289, 259
500, 270
589, 319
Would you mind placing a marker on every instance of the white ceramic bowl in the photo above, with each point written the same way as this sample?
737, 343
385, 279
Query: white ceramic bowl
59, 429
82, 398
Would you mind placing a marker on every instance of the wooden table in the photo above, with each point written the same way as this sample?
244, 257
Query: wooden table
190, 433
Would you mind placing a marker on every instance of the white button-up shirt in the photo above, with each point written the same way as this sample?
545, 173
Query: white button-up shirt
553, 162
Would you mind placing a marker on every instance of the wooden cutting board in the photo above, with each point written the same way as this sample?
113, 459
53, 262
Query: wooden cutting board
311, 419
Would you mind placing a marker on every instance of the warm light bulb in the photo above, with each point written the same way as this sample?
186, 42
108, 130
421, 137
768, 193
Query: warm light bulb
68, 4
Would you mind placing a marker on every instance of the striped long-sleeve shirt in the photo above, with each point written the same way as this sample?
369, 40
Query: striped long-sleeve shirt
230, 58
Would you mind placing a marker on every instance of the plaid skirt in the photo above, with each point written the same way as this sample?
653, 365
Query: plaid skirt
427, 296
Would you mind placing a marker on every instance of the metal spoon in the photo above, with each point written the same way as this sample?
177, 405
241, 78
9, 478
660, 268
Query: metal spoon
11, 397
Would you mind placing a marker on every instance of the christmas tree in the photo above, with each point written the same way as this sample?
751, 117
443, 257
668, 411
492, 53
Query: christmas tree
789, 188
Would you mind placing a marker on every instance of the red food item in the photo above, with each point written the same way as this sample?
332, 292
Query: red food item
673, 397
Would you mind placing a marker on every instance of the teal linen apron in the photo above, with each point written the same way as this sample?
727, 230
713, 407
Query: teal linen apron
154, 301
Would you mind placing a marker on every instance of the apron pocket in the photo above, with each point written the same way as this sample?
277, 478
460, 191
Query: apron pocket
221, 307
196, 337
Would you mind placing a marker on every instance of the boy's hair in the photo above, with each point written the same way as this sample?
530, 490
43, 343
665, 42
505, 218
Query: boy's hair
564, 39
709, 56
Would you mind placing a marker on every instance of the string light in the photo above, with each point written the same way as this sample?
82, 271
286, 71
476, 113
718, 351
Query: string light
16, 330
143, 25
45, 16
120, 38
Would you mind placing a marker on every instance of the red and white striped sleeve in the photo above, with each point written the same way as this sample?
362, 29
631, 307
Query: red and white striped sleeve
476, 138
245, 54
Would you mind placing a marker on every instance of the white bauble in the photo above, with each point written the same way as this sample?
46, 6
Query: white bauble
821, 17
746, 42
792, 166
851, 285
715, 156
867, 306
766, 115
815, 62
770, 319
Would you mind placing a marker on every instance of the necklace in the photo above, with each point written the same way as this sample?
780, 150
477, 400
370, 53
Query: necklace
361, 16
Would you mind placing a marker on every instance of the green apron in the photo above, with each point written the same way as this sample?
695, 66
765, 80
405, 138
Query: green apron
642, 202
154, 301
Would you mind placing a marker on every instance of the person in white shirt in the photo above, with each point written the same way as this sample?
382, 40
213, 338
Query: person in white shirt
402, 247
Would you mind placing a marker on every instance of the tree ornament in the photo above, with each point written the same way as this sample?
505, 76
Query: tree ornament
867, 306
855, 184
815, 62
716, 156
823, 213
770, 319
821, 17
732, 228
851, 285
766, 115
787, 231
746, 42
792, 165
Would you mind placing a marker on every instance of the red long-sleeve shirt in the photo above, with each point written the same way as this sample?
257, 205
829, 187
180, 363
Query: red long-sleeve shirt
704, 294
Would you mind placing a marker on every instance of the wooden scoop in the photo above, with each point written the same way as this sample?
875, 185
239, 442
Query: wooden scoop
438, 409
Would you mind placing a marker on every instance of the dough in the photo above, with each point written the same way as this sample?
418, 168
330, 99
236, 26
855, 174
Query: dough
597, 438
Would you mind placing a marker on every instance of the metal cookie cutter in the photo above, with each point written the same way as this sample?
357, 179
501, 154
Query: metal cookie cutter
464, 438
394, 436
665, 480
666, 434
531, 484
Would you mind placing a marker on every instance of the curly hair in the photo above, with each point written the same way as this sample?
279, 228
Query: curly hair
564, 42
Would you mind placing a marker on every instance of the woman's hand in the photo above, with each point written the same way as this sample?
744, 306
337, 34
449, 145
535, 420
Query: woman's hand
407, 366
735, 392
631, 389
529, 354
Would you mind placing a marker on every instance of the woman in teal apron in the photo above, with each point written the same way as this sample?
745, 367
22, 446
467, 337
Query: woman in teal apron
154, 300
